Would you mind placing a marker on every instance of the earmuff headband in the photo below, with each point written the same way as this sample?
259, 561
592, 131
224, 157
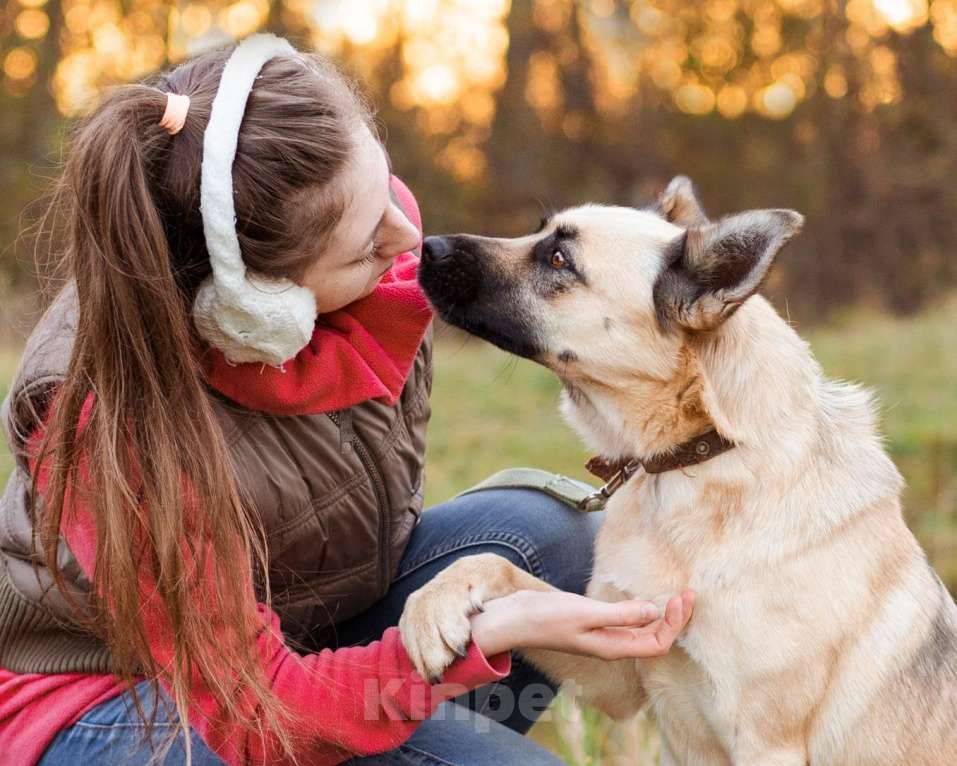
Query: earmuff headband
219, 151
247, 316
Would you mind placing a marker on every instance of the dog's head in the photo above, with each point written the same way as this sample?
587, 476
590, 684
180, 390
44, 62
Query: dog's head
602, 291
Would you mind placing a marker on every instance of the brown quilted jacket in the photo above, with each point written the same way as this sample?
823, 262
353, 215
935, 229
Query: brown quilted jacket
338, 495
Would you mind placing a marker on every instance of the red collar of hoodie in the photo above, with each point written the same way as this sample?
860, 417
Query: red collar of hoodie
360, 352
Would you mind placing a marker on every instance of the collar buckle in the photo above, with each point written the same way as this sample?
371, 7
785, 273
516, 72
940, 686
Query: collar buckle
692, 452
597, 499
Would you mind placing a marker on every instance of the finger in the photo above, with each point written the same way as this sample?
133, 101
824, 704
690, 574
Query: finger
654, 640
619, 643
613, 643
631, 613
655, 627
687, 602
672, 624
659, 639
658, 642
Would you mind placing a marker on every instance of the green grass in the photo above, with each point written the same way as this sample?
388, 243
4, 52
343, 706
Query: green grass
492, 411
911, 363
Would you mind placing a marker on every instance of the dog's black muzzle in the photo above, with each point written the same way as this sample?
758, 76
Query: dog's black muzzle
462, 284
449, 274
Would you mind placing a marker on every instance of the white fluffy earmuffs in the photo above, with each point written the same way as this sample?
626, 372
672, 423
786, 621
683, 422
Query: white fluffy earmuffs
247, 316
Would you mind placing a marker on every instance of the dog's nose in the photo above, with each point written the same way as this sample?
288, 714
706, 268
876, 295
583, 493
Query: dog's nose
435, 249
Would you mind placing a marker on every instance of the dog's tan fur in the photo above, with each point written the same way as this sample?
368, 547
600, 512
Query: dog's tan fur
821, 635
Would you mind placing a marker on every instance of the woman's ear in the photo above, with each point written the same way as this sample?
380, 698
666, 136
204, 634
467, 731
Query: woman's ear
713, 268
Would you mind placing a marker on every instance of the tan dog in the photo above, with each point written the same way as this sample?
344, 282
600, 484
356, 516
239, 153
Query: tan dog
821, 635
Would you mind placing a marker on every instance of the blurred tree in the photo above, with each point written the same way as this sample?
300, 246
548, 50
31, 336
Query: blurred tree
494, 110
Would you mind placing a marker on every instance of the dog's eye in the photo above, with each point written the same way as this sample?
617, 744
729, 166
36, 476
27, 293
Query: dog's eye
557, 260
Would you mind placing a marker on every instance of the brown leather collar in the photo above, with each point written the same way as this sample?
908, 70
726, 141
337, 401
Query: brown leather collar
615, 473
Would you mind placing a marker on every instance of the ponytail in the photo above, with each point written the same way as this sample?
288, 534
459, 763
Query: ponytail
150, 433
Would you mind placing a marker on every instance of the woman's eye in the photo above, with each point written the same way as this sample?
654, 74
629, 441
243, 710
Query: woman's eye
557, 260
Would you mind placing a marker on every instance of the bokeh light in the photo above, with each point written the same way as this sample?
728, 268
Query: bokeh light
719, 57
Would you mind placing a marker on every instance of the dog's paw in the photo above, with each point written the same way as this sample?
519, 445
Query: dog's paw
435, 625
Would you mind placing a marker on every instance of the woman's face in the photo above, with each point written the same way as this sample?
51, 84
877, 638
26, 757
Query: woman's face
372, 232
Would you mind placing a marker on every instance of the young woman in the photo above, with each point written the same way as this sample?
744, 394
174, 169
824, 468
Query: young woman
219, 425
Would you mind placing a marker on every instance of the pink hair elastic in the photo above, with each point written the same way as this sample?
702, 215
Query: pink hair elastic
175, 115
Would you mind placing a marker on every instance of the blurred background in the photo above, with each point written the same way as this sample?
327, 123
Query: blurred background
495, 111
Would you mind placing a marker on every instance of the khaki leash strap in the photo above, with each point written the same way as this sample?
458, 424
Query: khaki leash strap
584, 497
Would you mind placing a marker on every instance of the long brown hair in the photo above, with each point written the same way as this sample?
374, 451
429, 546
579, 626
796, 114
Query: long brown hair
128, 199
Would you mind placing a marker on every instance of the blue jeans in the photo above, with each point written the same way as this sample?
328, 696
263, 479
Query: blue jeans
529, 528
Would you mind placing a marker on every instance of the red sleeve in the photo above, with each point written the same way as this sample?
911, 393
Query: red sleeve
357, 700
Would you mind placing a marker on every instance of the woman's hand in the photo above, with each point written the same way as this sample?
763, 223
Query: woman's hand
575, 624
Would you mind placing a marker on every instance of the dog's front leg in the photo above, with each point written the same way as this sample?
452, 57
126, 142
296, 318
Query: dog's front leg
435, 625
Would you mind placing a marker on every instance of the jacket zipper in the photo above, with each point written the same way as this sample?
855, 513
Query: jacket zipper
382, 499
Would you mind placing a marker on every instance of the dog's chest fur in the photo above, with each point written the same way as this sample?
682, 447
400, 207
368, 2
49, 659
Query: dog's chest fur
763, 646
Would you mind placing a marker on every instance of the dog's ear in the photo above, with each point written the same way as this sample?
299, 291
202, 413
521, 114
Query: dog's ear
712, 269
679, 204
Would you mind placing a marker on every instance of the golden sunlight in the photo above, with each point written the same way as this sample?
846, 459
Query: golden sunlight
902, 15
724, 57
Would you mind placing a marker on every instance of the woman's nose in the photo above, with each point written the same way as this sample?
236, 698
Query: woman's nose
407, 236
